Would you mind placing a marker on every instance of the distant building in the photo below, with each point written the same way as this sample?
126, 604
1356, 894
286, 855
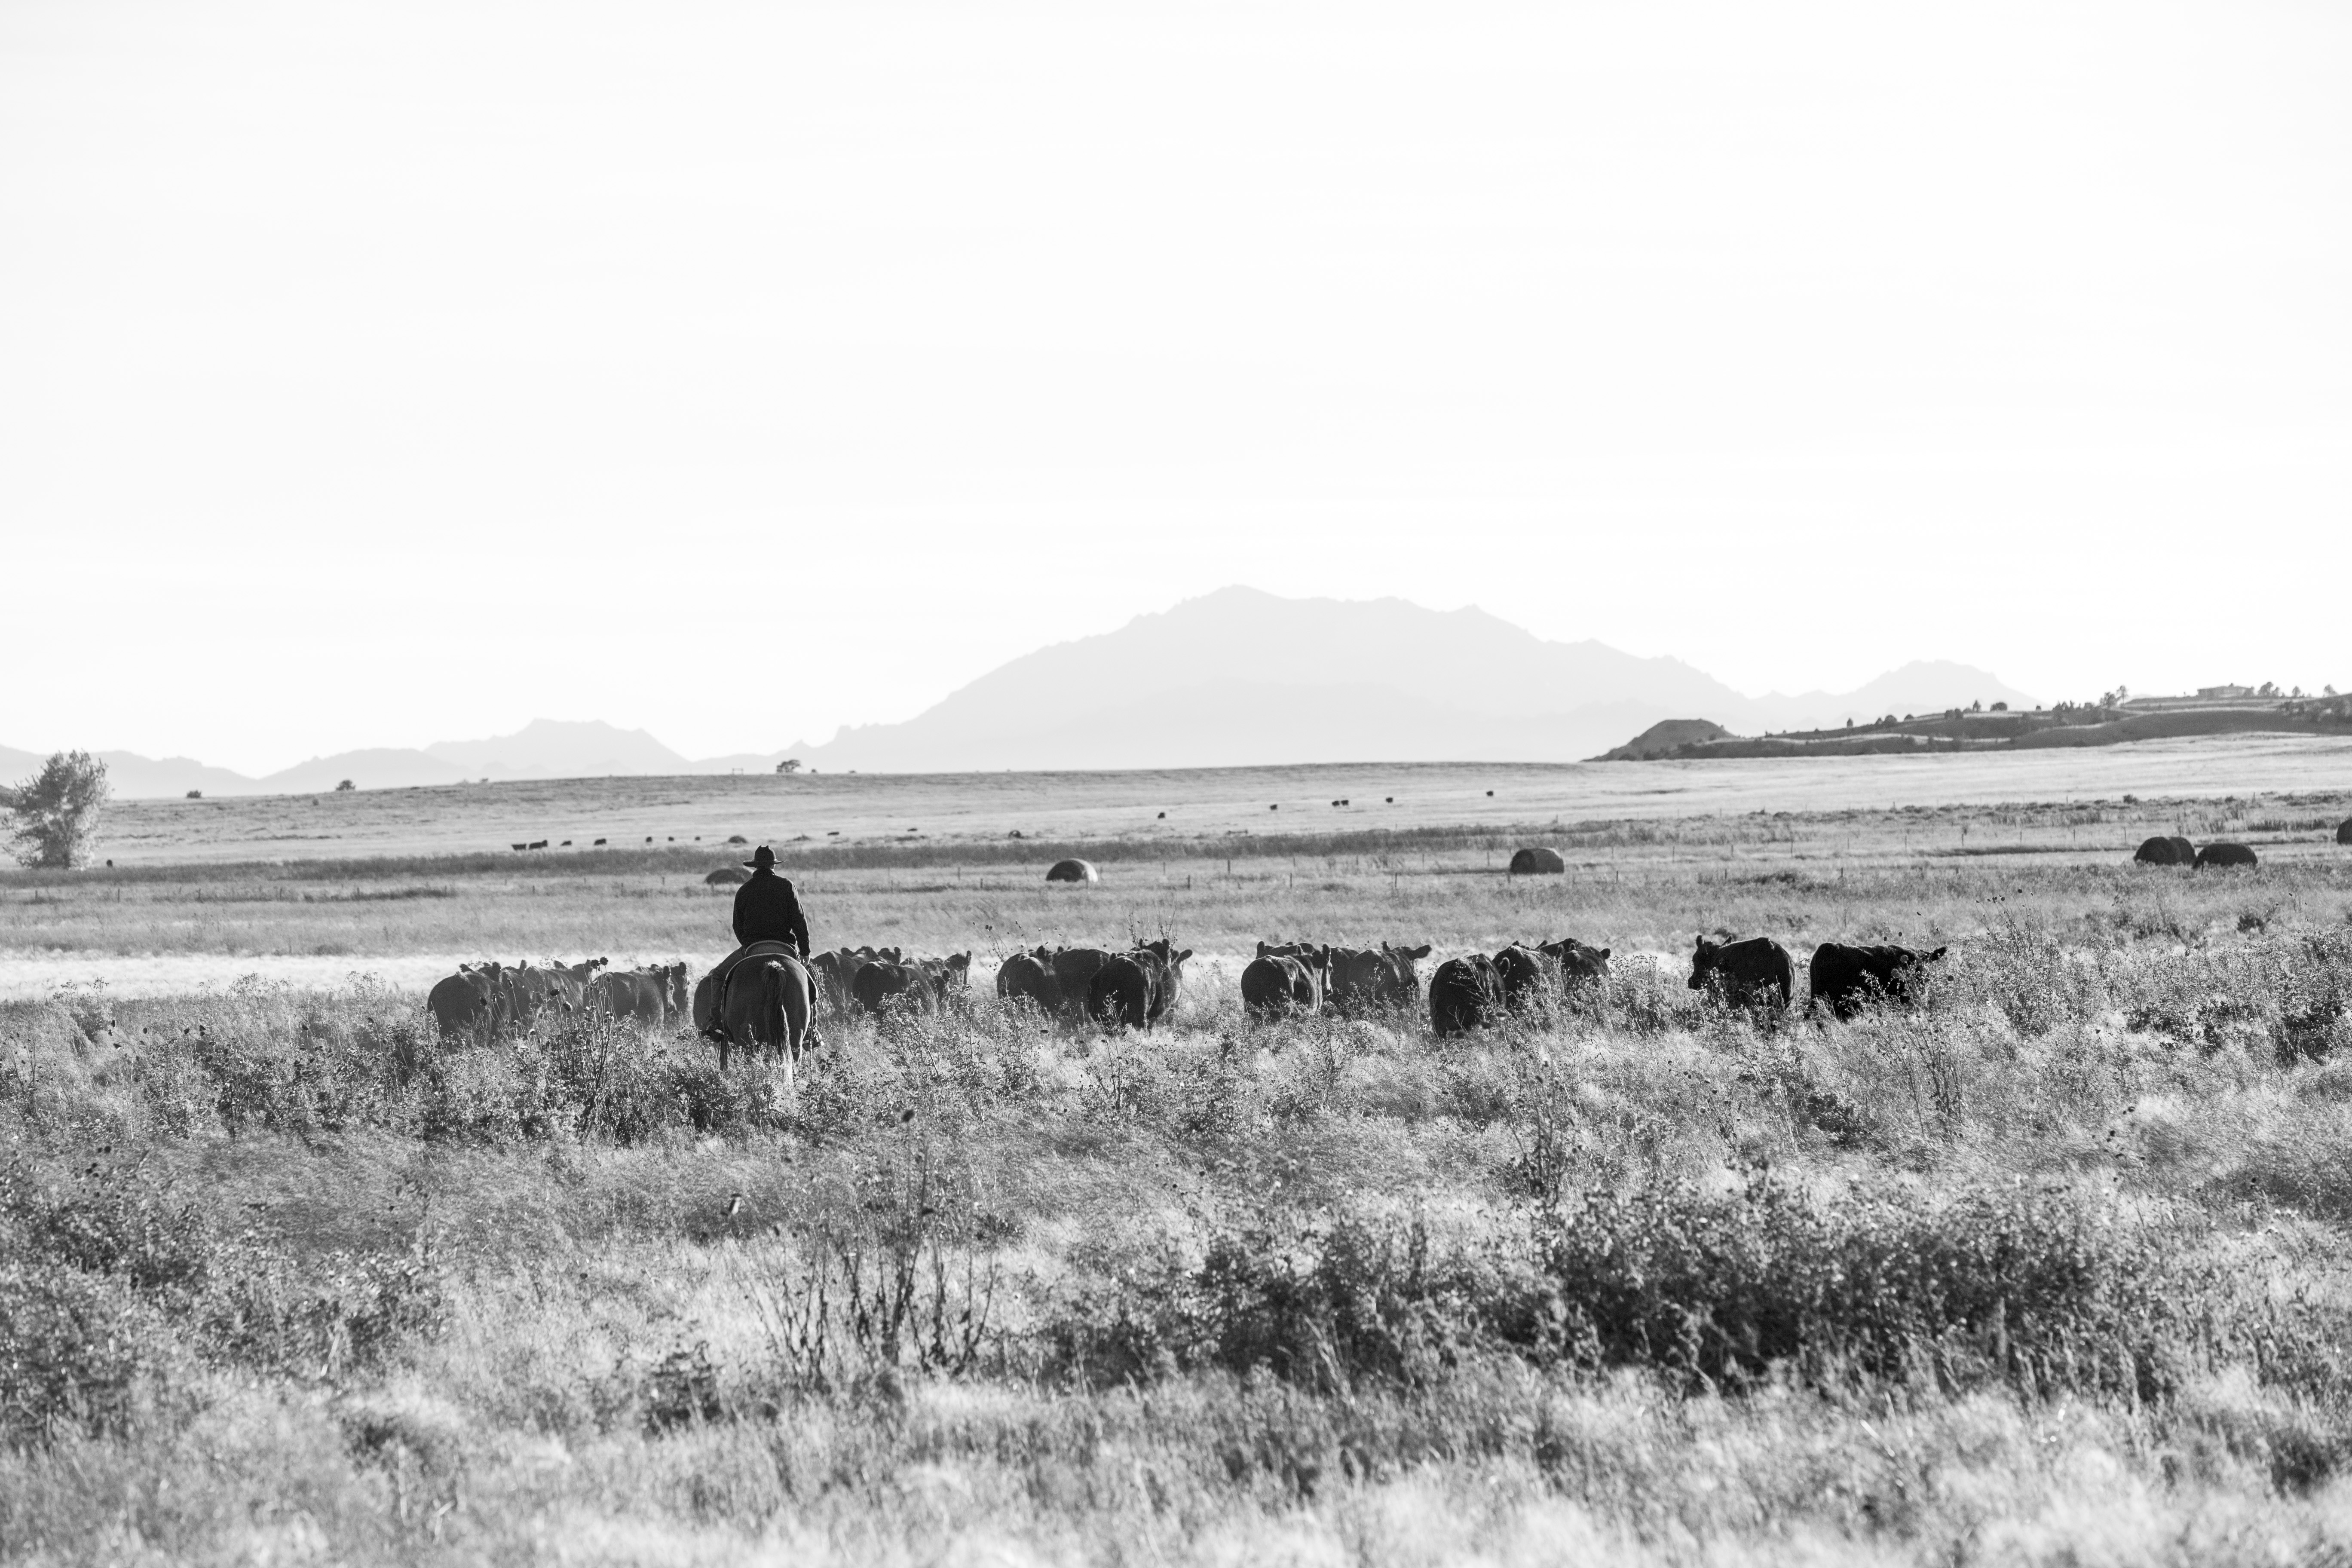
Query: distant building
2211, 693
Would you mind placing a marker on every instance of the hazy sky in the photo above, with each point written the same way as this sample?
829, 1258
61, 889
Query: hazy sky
384, 374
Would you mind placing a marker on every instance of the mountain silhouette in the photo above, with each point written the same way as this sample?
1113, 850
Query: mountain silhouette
1241, 678
1234, 679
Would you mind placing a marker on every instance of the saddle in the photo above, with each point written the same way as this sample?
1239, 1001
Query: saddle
708, 1024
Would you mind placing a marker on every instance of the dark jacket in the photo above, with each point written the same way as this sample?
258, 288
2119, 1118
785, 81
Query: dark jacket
766, 909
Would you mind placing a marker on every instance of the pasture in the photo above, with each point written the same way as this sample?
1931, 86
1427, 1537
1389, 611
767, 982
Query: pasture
2047, 1268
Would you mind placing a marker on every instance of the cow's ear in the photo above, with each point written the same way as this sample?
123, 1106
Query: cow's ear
1604, 952
1421, 952
1183, 955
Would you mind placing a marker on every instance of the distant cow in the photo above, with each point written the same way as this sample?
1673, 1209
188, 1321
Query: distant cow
1075, 969
1072, 871
2225, 855
465, 1005
567, 984
835, 974
2344, 831
1384, 976
1029, 977
926, 981
1844, 979
1165, 965
650, 998
1465, 993
2161, 852
1743, 972
1284, 979
1120, 992
1527, 968
1536, 861
1137, 989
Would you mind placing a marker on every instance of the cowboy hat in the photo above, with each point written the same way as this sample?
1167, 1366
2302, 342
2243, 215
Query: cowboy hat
762, 859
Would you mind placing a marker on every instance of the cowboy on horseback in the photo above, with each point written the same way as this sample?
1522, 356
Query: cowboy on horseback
768, 918
766, 908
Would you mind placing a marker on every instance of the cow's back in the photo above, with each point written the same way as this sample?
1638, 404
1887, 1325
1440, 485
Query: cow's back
1463, 995
1120, 992
1745, 969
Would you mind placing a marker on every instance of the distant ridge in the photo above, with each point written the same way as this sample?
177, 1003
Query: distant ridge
2014, 729
1234, 679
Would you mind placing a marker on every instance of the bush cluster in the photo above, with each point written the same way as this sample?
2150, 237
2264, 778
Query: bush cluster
2038, 1292
113, 1289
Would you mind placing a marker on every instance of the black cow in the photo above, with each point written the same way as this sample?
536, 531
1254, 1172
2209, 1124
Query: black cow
1120, 992
1165, 965
1743, 972
1029, 976
1385, 976
1075, 969
1285, 978
2161, 852
1465, 993
877, 982
2225, 855
926, 980
1846, 978
1527, 968
2344, 831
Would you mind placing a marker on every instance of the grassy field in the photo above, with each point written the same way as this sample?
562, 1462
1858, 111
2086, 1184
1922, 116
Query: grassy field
1129, 807
2051, 1270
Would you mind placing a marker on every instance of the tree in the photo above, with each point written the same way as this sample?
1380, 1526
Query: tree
56, 811
344, 785
788, 765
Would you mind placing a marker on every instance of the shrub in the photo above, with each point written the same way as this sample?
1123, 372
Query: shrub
245, 1299
2018, 1287
118, 1222
2314, 996
75, 1349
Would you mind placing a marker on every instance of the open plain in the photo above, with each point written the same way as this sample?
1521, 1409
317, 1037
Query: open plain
2049, 1268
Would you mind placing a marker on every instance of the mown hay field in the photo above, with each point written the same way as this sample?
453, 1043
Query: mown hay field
2049, 1268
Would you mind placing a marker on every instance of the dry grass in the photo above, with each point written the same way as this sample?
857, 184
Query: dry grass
2050, 1270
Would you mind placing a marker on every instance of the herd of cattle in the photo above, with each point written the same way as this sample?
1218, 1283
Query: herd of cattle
484, 1000
1138, 987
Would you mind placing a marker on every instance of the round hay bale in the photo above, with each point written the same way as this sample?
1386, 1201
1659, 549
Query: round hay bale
2159, 852
1072, 871
727, 877
1537, 860
2224, 856
2343, 832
